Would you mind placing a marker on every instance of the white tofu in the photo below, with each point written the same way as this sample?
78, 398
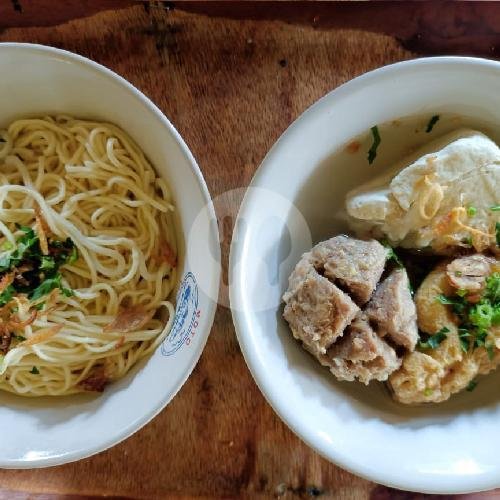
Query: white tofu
461, 169
449, 164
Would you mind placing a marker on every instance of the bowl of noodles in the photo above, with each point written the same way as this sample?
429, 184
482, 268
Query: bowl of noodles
109, 258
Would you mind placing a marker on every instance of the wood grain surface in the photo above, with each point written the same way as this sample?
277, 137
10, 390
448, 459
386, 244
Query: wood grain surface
231, 87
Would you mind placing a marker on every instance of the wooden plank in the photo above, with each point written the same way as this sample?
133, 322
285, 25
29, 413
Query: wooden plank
447, 27
49, 13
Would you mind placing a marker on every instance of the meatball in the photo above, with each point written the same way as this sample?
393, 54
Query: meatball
323, 306
356, 265
393, 310
361, 354
317, 311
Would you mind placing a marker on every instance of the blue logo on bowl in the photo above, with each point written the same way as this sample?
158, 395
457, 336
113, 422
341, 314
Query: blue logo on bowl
186, 316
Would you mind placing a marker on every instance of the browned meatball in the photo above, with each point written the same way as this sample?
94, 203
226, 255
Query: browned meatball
433, 375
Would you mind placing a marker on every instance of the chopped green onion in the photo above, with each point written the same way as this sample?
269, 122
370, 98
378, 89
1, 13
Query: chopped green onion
476, 318
73, 257
458, 303
434, 119
480, 340
492, 288
35, 371
464, 337
392, 255
6, 295
490, 349
481, 315
472, 385
471, 211
67, 292
46, 287
47, 262
435, 340
6, 245
372, 152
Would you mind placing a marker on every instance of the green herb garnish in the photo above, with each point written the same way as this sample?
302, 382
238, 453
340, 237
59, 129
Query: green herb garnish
492, 288
6, 295
46, 287
434, 340
490, 349
20, 338
495, 208
67, 292
476, 319
73, 256
35, 371
6, 245
458, 303
497, 232
464, 337
480, 340
434, 119
471, 386
481, 314
35, 274
47, 262
471, 211
372, 152
392, 255
428, 392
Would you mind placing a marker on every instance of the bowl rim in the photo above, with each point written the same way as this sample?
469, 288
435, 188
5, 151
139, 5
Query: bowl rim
134, 426
240, 315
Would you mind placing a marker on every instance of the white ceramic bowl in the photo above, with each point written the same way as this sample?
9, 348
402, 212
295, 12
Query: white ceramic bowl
447, 448
37, 80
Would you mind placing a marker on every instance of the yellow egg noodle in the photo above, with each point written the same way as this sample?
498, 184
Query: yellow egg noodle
87, 181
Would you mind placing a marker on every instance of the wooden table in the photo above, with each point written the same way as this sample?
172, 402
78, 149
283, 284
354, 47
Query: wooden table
231, 78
